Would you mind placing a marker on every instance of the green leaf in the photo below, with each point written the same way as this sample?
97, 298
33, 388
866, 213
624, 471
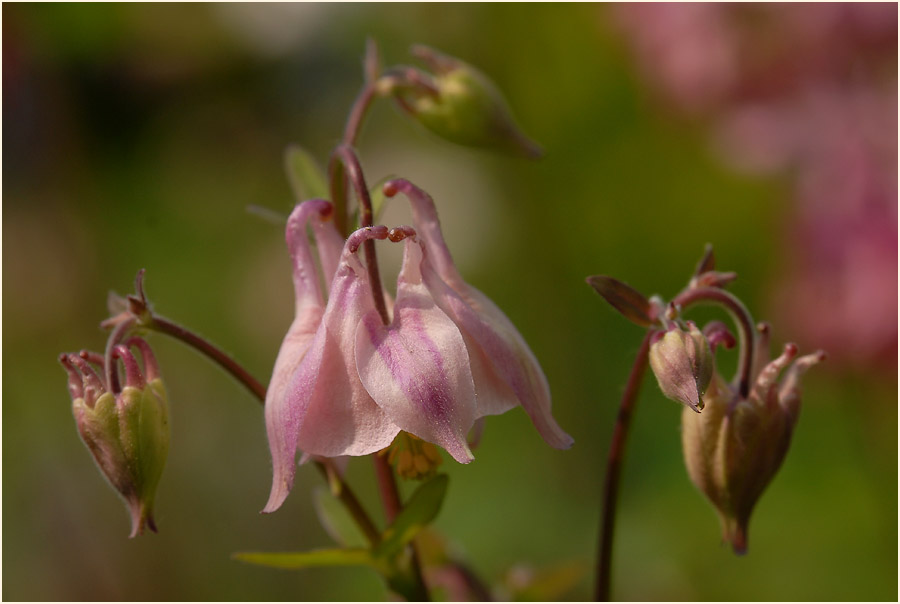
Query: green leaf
419, 511
336, 520
305, 175
624, 298
312, 559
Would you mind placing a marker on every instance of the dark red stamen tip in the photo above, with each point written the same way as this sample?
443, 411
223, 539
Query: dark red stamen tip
400, 233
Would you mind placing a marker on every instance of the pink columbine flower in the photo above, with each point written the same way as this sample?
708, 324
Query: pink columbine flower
346, 382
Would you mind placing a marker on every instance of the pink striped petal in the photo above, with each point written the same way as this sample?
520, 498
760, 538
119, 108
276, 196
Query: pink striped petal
319, 404
281, 425
417, 368
492, 338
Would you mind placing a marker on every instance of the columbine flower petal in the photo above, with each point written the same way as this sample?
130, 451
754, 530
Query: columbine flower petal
505, 370
417, 368
282, 423
321, 407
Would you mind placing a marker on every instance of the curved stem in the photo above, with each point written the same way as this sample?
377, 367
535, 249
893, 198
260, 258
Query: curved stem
336, 170
345, 155
614, 470
742, 318
236, 370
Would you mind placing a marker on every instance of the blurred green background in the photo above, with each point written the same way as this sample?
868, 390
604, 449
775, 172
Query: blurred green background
134, 136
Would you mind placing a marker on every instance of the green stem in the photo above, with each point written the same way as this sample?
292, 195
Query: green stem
390, 499
354, 507
614, 470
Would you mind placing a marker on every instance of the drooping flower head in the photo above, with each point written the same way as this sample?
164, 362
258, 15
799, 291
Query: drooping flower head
734, 448
125, 427
349, 377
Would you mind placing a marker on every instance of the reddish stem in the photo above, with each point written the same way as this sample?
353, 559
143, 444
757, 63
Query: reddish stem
614, 469
345, 155
742, 318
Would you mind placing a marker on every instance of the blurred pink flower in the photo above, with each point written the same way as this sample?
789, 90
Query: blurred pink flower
807, 90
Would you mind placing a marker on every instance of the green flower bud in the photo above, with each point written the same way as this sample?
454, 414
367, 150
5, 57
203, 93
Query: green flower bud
462, 105
734, 448
126, 429
683, 365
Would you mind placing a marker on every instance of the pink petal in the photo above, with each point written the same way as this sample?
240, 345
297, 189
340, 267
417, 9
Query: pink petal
329, 244
319, 404
497, 343
417, 368
281, 422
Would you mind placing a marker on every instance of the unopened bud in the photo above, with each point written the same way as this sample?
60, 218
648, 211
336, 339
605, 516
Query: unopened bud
683, 365
735, 447
463, 106
127, 432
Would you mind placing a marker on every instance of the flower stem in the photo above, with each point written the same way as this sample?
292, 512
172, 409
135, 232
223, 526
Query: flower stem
336, 169
742, 318
614, 470
345, 155
354, 507
223, 360
390, 499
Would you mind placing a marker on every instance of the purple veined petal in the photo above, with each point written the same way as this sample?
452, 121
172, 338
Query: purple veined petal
417, 368
504, 354
281, 423
499, 342
321, 406
341, 418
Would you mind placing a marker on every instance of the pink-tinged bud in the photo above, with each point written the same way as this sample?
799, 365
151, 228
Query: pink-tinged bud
127, 430
462, 105
683, 365
734, 448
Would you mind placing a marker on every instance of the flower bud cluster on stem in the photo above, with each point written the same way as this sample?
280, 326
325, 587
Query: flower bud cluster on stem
734, 435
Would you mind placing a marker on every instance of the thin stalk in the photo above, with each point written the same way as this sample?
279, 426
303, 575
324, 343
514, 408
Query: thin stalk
742, 318
390, 499
345, 155
614, 469
337, 170
354, 507
237, 371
